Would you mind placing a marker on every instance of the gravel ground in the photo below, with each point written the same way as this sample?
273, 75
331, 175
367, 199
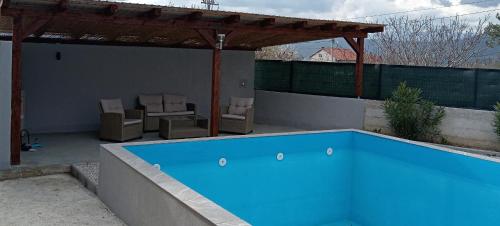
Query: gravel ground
89, 169
51, 200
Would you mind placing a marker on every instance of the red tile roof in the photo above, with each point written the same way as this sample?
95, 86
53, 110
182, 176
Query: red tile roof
343, 55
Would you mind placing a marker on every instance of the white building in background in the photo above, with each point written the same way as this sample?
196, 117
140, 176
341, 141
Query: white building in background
340, 55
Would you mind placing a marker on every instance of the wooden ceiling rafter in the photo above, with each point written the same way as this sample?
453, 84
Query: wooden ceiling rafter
188, 21
267, 22
232, 19
158, 20
110, 10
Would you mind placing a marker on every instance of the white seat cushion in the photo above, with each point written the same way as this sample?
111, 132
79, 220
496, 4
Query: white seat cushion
239, 106
127, 122
230, 116
112, 106
174, 103
159, 114
153, 103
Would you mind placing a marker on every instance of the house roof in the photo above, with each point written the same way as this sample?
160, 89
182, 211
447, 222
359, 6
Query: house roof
89, 21
343, 54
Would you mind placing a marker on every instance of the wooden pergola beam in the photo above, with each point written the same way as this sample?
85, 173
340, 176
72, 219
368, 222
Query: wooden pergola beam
33, 27
208, 36
111, 10
267, 22
174, 44
232, 19
351, 28
194, 16
42, 29
62, 6
373, 29
153, 13
190, 21
5, 3
299, 24
328, 27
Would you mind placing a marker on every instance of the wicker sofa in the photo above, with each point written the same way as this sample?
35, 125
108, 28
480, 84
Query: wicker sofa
238, 116
118, 124
166, 105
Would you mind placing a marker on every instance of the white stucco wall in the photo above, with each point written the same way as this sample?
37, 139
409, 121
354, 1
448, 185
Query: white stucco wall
308, 111
63, 96
5, 95
463, 127
322, 56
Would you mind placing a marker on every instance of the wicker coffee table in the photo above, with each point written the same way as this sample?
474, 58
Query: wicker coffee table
184, 127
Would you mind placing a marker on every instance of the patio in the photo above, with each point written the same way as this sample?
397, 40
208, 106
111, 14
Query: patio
70, 148
185, 45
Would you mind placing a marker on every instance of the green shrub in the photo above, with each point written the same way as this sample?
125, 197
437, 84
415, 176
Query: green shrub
412, 117
496, 120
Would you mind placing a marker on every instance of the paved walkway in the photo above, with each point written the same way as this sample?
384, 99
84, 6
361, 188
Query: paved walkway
51, 200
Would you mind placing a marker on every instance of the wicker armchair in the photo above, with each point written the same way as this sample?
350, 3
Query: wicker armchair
238, 116
118, 124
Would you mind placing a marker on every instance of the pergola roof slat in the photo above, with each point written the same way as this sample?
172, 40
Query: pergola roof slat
120, 21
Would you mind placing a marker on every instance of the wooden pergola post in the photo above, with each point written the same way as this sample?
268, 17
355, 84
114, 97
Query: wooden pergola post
214, 104
211, 40
15, 117
358, 46
20, 30
257, 32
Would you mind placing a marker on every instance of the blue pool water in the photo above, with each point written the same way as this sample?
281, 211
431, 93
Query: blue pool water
367, 181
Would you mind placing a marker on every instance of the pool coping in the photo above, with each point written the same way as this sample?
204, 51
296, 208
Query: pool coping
203, 206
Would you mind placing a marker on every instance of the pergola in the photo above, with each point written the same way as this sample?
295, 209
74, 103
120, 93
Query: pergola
118, 23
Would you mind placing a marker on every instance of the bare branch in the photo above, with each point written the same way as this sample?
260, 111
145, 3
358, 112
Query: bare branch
430, 42
283, 52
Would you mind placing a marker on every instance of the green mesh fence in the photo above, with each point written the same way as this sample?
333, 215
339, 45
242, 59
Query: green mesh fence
444, 86
273, 75
488, 88
453, 87
324, 79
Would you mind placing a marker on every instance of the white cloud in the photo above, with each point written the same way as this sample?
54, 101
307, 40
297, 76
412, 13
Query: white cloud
342, 9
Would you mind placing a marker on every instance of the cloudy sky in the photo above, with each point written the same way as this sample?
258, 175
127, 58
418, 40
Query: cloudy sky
355, 10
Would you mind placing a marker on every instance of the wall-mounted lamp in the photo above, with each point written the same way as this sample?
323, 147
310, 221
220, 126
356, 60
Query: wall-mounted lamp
58, 55
220, 40
243, 83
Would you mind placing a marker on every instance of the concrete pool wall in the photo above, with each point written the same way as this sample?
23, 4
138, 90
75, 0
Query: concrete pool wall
141, 194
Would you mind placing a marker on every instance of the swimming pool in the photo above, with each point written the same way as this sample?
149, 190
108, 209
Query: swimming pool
342, 178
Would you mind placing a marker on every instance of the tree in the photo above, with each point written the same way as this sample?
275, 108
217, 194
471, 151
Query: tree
283, 52
412, 117
430, 42
493, 32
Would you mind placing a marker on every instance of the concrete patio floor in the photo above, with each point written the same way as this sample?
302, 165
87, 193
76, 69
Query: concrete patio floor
51, 201
69, 148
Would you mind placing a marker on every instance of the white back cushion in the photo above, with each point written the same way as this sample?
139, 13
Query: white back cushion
154, 103
174, 103
239, 106
112, 106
